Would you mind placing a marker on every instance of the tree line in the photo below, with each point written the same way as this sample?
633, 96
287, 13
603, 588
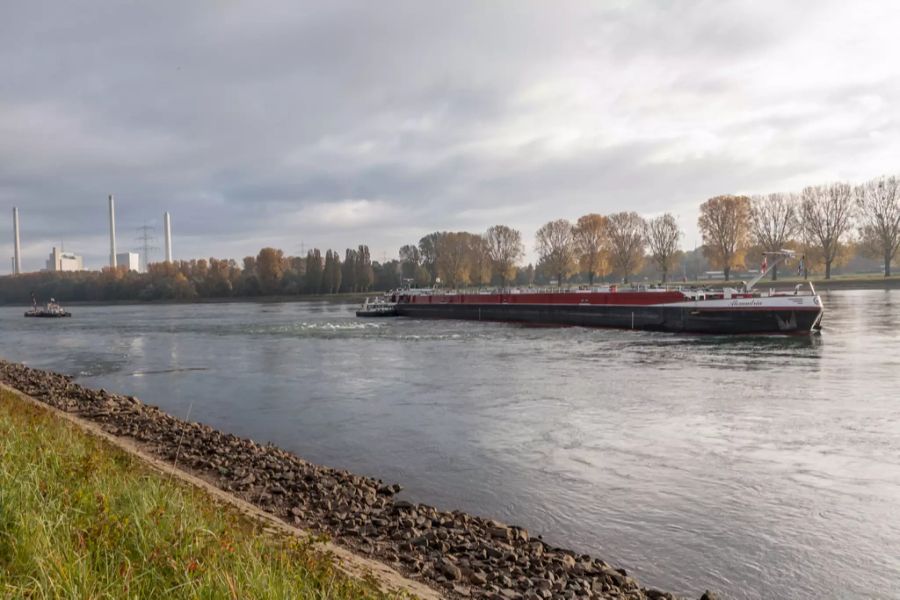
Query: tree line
817, 222
825, 224
269, 273
595, 246
821, 221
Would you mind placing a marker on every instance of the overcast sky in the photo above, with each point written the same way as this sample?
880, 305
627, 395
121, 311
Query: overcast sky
338, 123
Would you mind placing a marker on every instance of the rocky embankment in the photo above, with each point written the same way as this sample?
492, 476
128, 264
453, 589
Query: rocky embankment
460, 554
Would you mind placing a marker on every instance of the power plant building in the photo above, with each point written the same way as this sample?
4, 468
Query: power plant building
64, 261
130, 260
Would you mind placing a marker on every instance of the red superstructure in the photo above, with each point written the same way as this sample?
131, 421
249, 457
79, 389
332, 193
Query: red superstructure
591, 298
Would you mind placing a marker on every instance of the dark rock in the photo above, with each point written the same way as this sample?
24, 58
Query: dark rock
389, 490
450, 570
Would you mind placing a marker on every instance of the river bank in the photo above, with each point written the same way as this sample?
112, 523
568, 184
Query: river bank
460, 554
343, 298
838, 282
85, 516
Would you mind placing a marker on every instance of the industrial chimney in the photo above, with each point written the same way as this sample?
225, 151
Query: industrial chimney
112, 232
17, 251
168, 233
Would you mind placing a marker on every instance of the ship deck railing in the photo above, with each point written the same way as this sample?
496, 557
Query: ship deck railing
690, 291
581, 289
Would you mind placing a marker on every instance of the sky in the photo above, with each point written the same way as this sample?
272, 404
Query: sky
331, 124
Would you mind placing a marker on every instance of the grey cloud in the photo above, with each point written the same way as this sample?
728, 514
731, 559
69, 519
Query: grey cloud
242, 118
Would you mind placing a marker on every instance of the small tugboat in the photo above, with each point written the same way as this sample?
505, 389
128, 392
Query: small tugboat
378, 307
730, 310
50, 310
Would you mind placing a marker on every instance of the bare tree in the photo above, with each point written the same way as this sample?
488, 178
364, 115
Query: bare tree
428, 250
878, 201
556, 247
591, 244
505, 250
725, 223
662, 234
773, 222
410, 260
365, 274
826, 217
626, 243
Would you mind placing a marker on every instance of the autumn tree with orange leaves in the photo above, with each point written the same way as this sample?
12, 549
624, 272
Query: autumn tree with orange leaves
556, 248
270, 268
591, 240
626, 243
725, 226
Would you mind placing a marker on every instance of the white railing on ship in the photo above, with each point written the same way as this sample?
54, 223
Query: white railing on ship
586, 289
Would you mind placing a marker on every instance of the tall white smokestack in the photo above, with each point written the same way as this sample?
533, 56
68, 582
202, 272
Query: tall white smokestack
17, 252
168, 228
112, 232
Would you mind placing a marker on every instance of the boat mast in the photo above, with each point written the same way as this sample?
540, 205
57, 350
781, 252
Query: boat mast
780, 256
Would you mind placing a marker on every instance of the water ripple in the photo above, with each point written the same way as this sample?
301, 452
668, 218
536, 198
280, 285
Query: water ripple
764, 467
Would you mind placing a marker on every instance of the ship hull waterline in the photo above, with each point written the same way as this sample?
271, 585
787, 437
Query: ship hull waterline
676, 319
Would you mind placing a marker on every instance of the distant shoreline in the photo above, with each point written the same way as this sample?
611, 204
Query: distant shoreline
332, 298
839, 283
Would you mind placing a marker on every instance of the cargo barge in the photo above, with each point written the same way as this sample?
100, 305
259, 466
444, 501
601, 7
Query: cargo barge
724, 311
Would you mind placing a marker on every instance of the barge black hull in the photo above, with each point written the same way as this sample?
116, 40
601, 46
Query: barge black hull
650, 318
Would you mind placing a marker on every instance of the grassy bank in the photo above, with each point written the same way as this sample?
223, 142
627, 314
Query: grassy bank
82, 519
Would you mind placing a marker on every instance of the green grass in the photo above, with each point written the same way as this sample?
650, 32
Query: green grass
82, 519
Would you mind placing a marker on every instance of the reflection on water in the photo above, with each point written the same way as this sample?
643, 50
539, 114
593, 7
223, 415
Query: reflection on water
764, 467
167, 371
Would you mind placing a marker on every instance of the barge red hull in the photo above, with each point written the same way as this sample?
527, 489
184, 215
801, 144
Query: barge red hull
656, 311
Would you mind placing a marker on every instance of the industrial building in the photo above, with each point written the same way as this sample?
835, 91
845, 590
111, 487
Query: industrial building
68, 261
130, 260
64, 261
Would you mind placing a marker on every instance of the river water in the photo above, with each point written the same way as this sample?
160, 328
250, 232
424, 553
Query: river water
760, 467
